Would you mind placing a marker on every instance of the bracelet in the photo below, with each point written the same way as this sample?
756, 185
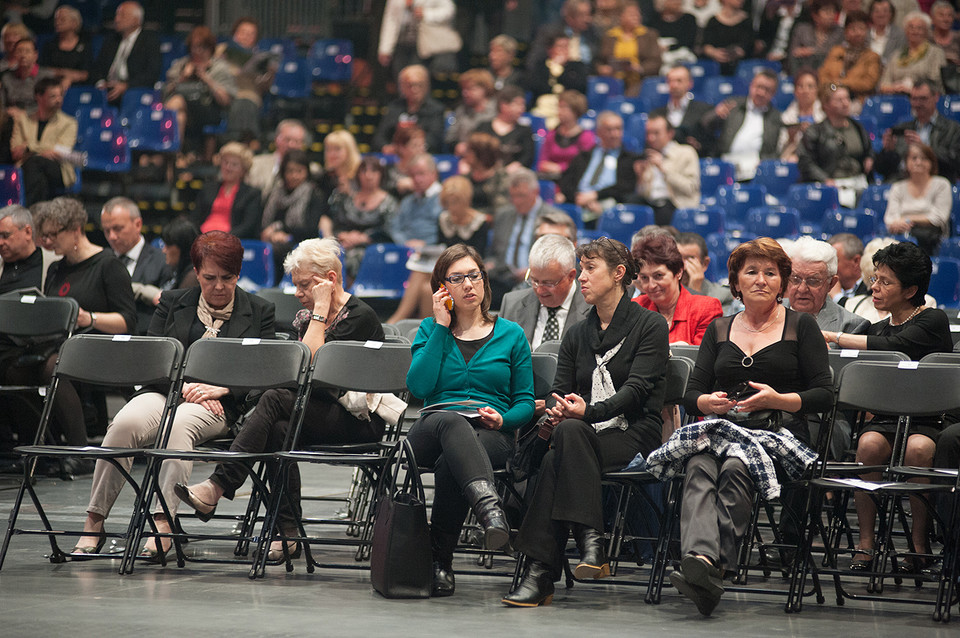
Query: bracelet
93, 319
316, 317
839, 334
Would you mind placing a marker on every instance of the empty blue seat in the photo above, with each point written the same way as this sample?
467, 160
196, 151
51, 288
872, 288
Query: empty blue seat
620, 222
383, 272
171, 48
600, 89
945, 282
92, 119
627, 106
11, 185
784, 95
575, 213
654, 91
446, 165
873, 130
738, 199
950, 247
280, 47
331, 60
720, 247
635, 132
746, 69
719, 88
135, 100
292, 80
536, 123
82, 96
888, 110
548, 190
715, 173
955, 210
774, 221
106, 150
949, 105
154, 131
701, 70
875, 197
777, 176
862, 222
256, 270
703, 221
812, 201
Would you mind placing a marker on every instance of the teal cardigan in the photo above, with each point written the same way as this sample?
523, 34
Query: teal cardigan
500, 374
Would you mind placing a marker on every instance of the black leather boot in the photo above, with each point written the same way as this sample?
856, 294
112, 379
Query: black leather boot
442, 545
593, 559
535, 588
485, 501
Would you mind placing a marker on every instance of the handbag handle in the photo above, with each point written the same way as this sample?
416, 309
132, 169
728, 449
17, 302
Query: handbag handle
389, 480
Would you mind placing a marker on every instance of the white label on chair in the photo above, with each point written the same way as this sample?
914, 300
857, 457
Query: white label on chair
955, 327
391, 258
96, 113
121, 338
3, 174
106, 136
146, 99
849, 222
908, 365
250, 341
814, 195
741, 197
333, 49
886, 107
156, 116
712, 170
849, 353
602, 89
627, 108
781, 171
28, 299
290, 67
701, 219
627, 217
375, 345
85, 98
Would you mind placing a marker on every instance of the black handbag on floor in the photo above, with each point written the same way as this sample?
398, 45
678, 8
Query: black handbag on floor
400, 559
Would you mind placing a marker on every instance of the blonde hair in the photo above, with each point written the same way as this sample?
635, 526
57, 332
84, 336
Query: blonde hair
343, 139
456, 186
240, 151
315, 255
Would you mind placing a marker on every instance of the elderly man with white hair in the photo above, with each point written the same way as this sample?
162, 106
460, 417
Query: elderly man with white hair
814, 274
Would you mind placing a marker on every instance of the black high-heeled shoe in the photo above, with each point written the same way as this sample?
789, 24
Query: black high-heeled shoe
862, 564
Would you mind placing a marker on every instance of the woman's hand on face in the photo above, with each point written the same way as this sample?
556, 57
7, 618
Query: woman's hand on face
202, 392
571, 406
717, 403
440, 312
322, 293
491, 419
764, 399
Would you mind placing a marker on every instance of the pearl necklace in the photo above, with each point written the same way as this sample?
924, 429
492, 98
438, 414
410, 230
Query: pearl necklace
912, 315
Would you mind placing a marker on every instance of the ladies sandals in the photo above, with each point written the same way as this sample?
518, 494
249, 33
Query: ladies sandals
862, 564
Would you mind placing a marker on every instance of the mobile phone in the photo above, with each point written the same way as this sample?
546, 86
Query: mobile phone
738, 391
448, 302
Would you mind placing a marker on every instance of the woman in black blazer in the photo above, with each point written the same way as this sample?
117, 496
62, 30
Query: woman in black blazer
217, 308
230, 205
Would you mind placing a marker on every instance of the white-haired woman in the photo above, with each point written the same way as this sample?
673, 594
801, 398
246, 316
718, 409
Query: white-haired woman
919, 59
329, 314
68, 55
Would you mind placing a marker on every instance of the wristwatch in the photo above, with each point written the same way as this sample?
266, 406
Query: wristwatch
316, 317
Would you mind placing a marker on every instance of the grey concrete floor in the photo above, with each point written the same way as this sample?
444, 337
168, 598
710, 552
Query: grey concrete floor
77, 599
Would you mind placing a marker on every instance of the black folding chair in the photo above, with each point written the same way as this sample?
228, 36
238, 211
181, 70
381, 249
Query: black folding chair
243, 365
286, 305
114, 361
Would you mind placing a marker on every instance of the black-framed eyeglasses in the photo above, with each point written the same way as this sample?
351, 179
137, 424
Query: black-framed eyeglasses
456, 280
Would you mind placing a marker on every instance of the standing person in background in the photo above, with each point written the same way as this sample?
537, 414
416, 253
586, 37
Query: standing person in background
419, 32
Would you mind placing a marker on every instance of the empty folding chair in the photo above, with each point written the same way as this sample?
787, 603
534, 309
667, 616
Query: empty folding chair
701, 70
331, 60
738, 199
621, 221
888, 110
746, 69
719, 88
862, 222
292, 81
715, 173
135, 100
78, 96
154, 131
599, 89
654, 92
383, 272
106, 150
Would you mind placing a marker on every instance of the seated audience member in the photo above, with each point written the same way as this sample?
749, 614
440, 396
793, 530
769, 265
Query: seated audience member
482, 166
682, 111
804, 111
630, 51
886, 36
23, 264
69, 54
899, 286
476, 107
553, 76
130, 56
178, 237
678, 32
837, 151
776, 25
419, 33
415, 224
514, 231
264, 173
555, 222
230, 204
696, 261
122, 225
748, 128
862, 303
516, 140
553, 304
254, 71
852, 63
606, 14
341, 160
414, 106
812, 41
408, 143
728, 36
360, 218
199, 86
920, 204
502, 56
40, 143
943, 15
581, 39
12, 33
597, 179
928, 127
919, 59
567, 138
668, 173
19, 83
850, 281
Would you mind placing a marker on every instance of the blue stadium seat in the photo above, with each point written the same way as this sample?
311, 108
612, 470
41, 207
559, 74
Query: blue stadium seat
704, 221
446, 165
720, 247
945, 282
654, 91
777, 176
548, 190
292, 81
154, 131
784, 95
862, 222
869, 123
719, 88
536, 123
955, 210
11, 185
587, 236
949, 105
620, 222
106, 150
331, 60
171, 48
78, 96
627, 106
812, 201
875, 198
746, 69
92, 119
774, 221
256, 270
600, 89
950, 247
135, 100
383, 272
715, 173
635, 132
701, 70
888, 110
737, 200
574, 211
280, 47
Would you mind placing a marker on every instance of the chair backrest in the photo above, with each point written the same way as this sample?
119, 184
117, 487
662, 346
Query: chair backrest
391, 330
738, 199
774, 221
952, 358
39, 317
120, 360
812, 201
78, 95
654, 91
154, 130
247, 364
635, 132
362, 366
718, 88
599, 89
446, 166
574, 211
256, 269
777, 176
383, 272
703, 221
138, 99
292, 80
922, 389
715, 173
679, 370
11, 185
701, 70
875, 197
106, 150
864, 223
888, 110
945, 282
285, 304
840, 359
621, 221
331, 60
405, 325
280, 47
684, 350
544, 371
949, 106
549, 347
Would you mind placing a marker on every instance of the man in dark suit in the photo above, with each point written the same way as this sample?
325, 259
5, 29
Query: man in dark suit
576, 24
603, 176
749, 128
121, 223
130, 57
927, 127
682, 111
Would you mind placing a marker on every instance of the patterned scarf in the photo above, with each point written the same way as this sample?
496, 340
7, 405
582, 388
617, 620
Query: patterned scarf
289, 208
211, 318
602, 388
906, 58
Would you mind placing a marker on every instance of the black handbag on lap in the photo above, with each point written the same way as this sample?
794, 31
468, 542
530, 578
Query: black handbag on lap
400, 559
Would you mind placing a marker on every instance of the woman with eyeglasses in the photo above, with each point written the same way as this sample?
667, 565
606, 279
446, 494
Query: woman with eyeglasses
607, 398
480, 366
898, 286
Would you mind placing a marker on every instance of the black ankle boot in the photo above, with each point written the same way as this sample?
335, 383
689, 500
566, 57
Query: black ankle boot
485, 501
535, 588
442, 545
593, 560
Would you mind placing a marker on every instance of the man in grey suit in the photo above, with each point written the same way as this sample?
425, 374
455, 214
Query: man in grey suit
121, 223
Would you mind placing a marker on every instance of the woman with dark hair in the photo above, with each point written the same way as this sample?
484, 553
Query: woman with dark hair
329, 313
763, 367
230, 204
359, 218
802, 113
178, 237
899, 285
852, 63
608, 395
811, 41
568, 138
728, 36
920, 204
485, 172
408, 142
480, 366
216, 308
661, 268
516, 140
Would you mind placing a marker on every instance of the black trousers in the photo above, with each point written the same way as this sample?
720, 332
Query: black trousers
568, 485
460, 454
325, 422
67, 408
42, 179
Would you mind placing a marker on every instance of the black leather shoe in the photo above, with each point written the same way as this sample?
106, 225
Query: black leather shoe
483, 498
703, 574
443, 581
535, 588
442, 546
704, 600
593, 561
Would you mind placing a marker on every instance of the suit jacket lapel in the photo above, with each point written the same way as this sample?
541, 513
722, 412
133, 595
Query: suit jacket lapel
184, 314
242, 318
531, 312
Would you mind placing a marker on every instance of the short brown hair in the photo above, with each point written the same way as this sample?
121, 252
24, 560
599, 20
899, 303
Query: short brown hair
452, 255
478, 77
221, 248
928, 153
574, 99
656, 250
455, 186
486, 147
759, 248
204, 36
613, 253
